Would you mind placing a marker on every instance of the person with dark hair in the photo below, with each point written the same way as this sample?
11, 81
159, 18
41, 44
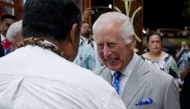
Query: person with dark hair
184, 48
160, 59
184, 69
6, 21
87, 56
42, 74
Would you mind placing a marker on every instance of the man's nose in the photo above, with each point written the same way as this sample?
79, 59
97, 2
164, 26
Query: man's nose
107, 51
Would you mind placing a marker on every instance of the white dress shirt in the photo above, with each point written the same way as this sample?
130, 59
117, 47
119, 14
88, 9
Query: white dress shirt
126, 73
35, 78
2, 37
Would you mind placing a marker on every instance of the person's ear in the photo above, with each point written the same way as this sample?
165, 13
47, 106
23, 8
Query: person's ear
73, 34
133, 42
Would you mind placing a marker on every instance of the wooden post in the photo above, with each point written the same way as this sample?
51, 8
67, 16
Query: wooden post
133, 9
18, 6
18, 12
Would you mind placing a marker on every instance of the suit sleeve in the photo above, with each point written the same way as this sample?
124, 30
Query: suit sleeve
171, 98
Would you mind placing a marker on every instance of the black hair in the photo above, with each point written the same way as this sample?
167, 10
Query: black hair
50, 18
7, 16
151, 33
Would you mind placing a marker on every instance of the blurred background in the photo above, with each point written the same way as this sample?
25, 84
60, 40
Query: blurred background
169, 17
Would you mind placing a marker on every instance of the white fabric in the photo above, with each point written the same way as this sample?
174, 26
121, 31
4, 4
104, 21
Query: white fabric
2, 37
35, 78
84, 39
126, 73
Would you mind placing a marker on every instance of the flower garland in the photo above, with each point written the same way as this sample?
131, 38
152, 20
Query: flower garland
40, 42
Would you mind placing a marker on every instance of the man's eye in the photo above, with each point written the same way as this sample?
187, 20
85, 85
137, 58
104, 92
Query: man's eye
100, 45
112, 44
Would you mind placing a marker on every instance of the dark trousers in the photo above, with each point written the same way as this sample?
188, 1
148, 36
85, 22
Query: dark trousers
184, 102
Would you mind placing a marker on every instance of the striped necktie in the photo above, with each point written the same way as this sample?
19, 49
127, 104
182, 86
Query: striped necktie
116, 81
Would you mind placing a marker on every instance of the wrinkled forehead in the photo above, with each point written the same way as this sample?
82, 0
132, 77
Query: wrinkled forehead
107, 26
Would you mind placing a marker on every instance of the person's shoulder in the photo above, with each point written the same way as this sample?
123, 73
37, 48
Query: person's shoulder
164, 54
157, 73
95, 85
100, 70
145, 54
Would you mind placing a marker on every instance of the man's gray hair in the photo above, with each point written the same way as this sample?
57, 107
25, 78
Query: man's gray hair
126, 29
13, 30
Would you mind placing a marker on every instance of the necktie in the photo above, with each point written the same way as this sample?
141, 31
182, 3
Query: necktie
116, 81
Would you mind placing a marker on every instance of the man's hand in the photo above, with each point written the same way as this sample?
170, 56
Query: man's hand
88, 12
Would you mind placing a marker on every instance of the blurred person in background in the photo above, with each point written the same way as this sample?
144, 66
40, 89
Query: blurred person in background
42, 74
184, 48
6, 21
14, 34
184, 70
87, 56
160, 59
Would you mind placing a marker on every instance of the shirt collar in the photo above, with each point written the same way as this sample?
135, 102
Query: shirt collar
128, 69
2, 37
84, 38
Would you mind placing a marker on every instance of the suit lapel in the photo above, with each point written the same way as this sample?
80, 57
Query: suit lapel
135, 82
106, 74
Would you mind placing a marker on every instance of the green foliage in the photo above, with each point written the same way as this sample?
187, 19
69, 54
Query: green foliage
178, 41
186, 11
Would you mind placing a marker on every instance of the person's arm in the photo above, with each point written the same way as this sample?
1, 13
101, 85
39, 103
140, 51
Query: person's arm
87, 13
178, 54
174, 70
184, 72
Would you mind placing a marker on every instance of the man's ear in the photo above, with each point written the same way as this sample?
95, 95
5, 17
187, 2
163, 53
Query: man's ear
73, 33
133, 42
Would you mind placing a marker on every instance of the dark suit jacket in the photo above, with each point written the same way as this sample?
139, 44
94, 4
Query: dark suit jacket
1, 48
